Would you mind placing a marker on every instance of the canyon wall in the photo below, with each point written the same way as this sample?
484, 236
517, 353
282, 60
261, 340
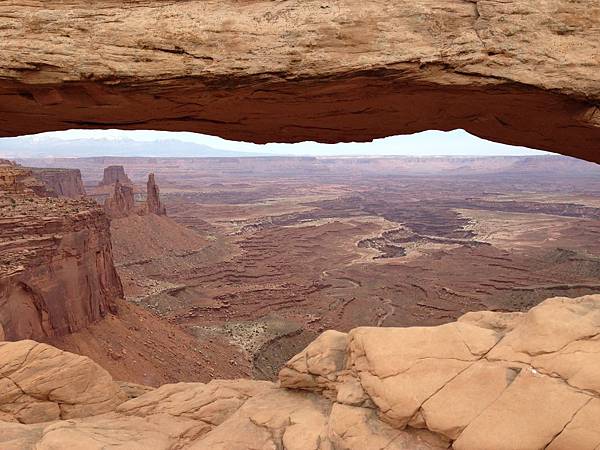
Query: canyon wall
523, 72
64, 182
18, 181
112, 174
56, 272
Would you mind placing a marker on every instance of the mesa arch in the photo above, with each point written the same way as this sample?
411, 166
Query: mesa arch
524, 72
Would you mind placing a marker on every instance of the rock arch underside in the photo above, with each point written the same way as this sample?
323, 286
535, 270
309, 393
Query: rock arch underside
523, 72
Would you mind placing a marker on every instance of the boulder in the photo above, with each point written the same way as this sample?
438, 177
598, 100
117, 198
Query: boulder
41, 383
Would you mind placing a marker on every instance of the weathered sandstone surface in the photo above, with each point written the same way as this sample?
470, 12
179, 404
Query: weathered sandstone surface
41, 383
523, 72
63, 182
56, 272
488, 381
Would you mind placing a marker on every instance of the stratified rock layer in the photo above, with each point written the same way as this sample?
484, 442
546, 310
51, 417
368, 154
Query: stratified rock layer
56, 272
63, 182
488, 381
523, 72
15, 179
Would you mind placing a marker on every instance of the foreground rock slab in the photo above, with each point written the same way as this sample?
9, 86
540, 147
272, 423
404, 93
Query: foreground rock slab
487, 381
41, 383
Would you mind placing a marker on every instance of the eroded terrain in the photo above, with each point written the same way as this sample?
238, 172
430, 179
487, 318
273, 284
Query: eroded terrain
266, 254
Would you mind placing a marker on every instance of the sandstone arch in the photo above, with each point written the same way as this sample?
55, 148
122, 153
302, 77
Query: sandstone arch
522, 72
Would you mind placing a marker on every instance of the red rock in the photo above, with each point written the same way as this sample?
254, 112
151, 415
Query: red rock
121, 203
366, 385
521, 72
153, 203
64, 182
56, 272
112, 174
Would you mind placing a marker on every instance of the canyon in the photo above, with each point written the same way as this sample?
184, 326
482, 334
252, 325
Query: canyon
58, 284
302, 303
457, 287
261, 255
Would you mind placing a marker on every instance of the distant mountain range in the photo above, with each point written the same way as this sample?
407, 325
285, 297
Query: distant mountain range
45, 147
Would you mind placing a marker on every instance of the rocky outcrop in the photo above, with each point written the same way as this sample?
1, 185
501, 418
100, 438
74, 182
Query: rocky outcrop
41, 383
522, 72
112, 174
15, 179
488, 381
63, 182
56, 272
121, 203
153, 203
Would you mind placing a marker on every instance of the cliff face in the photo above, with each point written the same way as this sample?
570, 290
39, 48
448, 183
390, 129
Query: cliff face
513, 381
524, 72
64, 182
153, 203
121, 202
112, 174
56, 272
16, 180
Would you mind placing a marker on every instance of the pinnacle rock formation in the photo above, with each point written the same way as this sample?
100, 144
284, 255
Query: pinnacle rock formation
524, 72
153, 203
121, 202
488, 381
112, 174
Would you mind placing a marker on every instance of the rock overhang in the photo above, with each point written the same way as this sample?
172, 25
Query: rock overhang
523, 73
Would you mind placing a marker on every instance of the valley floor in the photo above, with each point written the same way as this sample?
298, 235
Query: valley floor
251, 265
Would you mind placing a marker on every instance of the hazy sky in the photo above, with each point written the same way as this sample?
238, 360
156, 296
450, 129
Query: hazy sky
427, 143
